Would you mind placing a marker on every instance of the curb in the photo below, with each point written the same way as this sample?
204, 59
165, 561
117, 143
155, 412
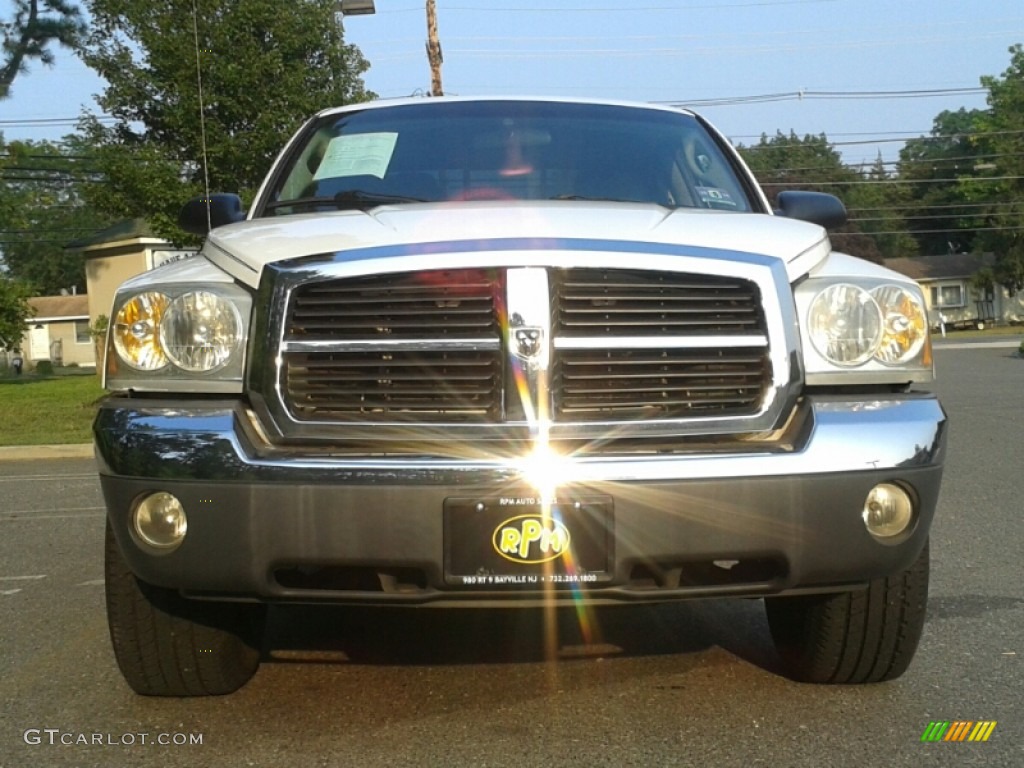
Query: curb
939, 344
44, 452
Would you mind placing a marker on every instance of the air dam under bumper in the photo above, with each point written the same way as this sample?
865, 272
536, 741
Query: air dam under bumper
371, 529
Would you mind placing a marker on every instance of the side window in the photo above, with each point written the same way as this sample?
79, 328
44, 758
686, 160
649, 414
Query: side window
948, 296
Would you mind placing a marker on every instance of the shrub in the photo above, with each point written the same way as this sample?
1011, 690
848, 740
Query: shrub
44, 368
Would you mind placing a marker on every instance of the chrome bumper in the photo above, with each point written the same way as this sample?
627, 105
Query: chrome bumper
255, 510
211, 442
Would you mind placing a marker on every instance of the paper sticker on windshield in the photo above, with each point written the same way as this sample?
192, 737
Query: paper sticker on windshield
713, 197
357, 154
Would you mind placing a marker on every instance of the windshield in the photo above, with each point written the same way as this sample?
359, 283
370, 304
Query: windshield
507, 150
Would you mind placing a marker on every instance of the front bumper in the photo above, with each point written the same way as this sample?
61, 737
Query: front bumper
271, 524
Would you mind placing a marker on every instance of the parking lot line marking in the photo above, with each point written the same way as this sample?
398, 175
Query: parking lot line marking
92, 583
23, 578
9, 591
26, 514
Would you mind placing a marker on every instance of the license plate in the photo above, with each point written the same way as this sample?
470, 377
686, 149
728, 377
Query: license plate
512, 541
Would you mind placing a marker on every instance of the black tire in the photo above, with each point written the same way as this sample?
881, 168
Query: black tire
167, 645
866, 636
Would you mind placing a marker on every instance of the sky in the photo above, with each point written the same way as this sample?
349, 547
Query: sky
867, 73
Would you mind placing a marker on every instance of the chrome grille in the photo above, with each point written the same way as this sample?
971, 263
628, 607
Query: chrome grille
636, 344
417, 305
398, 385
657, 383
627, 303
419, 346
440, 347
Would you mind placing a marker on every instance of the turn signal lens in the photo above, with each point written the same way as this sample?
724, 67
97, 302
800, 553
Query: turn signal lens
136, 331
845, 324
904, 324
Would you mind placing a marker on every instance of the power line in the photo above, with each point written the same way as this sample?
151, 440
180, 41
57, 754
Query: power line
942, 207
622, 8
963, 231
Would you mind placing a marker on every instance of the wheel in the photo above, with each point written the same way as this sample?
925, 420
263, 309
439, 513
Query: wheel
865, 636
166, 645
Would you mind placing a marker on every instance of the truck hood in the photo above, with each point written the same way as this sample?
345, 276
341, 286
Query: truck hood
245, 248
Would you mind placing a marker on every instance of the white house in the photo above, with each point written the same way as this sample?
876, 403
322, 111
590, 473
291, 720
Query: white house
946, 282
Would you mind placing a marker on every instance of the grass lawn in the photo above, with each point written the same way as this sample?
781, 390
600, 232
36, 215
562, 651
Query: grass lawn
47, 410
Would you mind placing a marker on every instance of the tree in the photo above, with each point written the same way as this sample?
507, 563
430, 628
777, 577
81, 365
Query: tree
946, 172
1004, 122
42, 209
28, 35
811, 163
14, 312
878, 209
265, 66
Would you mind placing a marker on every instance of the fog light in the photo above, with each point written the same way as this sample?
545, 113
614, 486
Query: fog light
888, 510
159, 521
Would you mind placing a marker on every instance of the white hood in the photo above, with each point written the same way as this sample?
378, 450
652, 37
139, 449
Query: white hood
243, 249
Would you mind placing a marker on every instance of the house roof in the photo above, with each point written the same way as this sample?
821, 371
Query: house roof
126, 229
60, 307
945, 266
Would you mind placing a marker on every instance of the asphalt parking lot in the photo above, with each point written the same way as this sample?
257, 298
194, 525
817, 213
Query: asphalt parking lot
695, 684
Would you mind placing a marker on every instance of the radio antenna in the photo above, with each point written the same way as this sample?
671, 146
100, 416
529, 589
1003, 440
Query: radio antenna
202, 114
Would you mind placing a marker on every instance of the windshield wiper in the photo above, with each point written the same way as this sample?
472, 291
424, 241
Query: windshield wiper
599, 199
350, 198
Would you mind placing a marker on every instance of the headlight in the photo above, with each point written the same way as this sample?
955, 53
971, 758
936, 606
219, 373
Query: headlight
186, 332
199, 331
845, 324
904, 324
136, 329
862, 326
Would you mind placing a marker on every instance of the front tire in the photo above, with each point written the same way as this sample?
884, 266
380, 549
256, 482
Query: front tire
166, 645
866, 636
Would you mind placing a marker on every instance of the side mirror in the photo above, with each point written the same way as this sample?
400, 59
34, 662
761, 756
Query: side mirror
223, 209
818, 208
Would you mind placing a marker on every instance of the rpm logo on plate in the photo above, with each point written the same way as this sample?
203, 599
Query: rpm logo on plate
531, 539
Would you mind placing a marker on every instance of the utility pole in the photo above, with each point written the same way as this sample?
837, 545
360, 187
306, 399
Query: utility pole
434, 50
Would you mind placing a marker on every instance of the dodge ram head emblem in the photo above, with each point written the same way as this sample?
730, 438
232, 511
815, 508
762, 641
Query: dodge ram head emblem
528, 341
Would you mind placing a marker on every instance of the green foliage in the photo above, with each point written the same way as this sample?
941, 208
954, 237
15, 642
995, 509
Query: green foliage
14, 311
812, 163
878, 210
266, 66
38, 411
44, 368
1004, 123
42, 210
98, 329
35, 25
1009, 268
949, 193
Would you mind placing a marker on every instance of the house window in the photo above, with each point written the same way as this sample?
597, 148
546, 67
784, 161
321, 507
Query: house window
947, 296
82, 335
